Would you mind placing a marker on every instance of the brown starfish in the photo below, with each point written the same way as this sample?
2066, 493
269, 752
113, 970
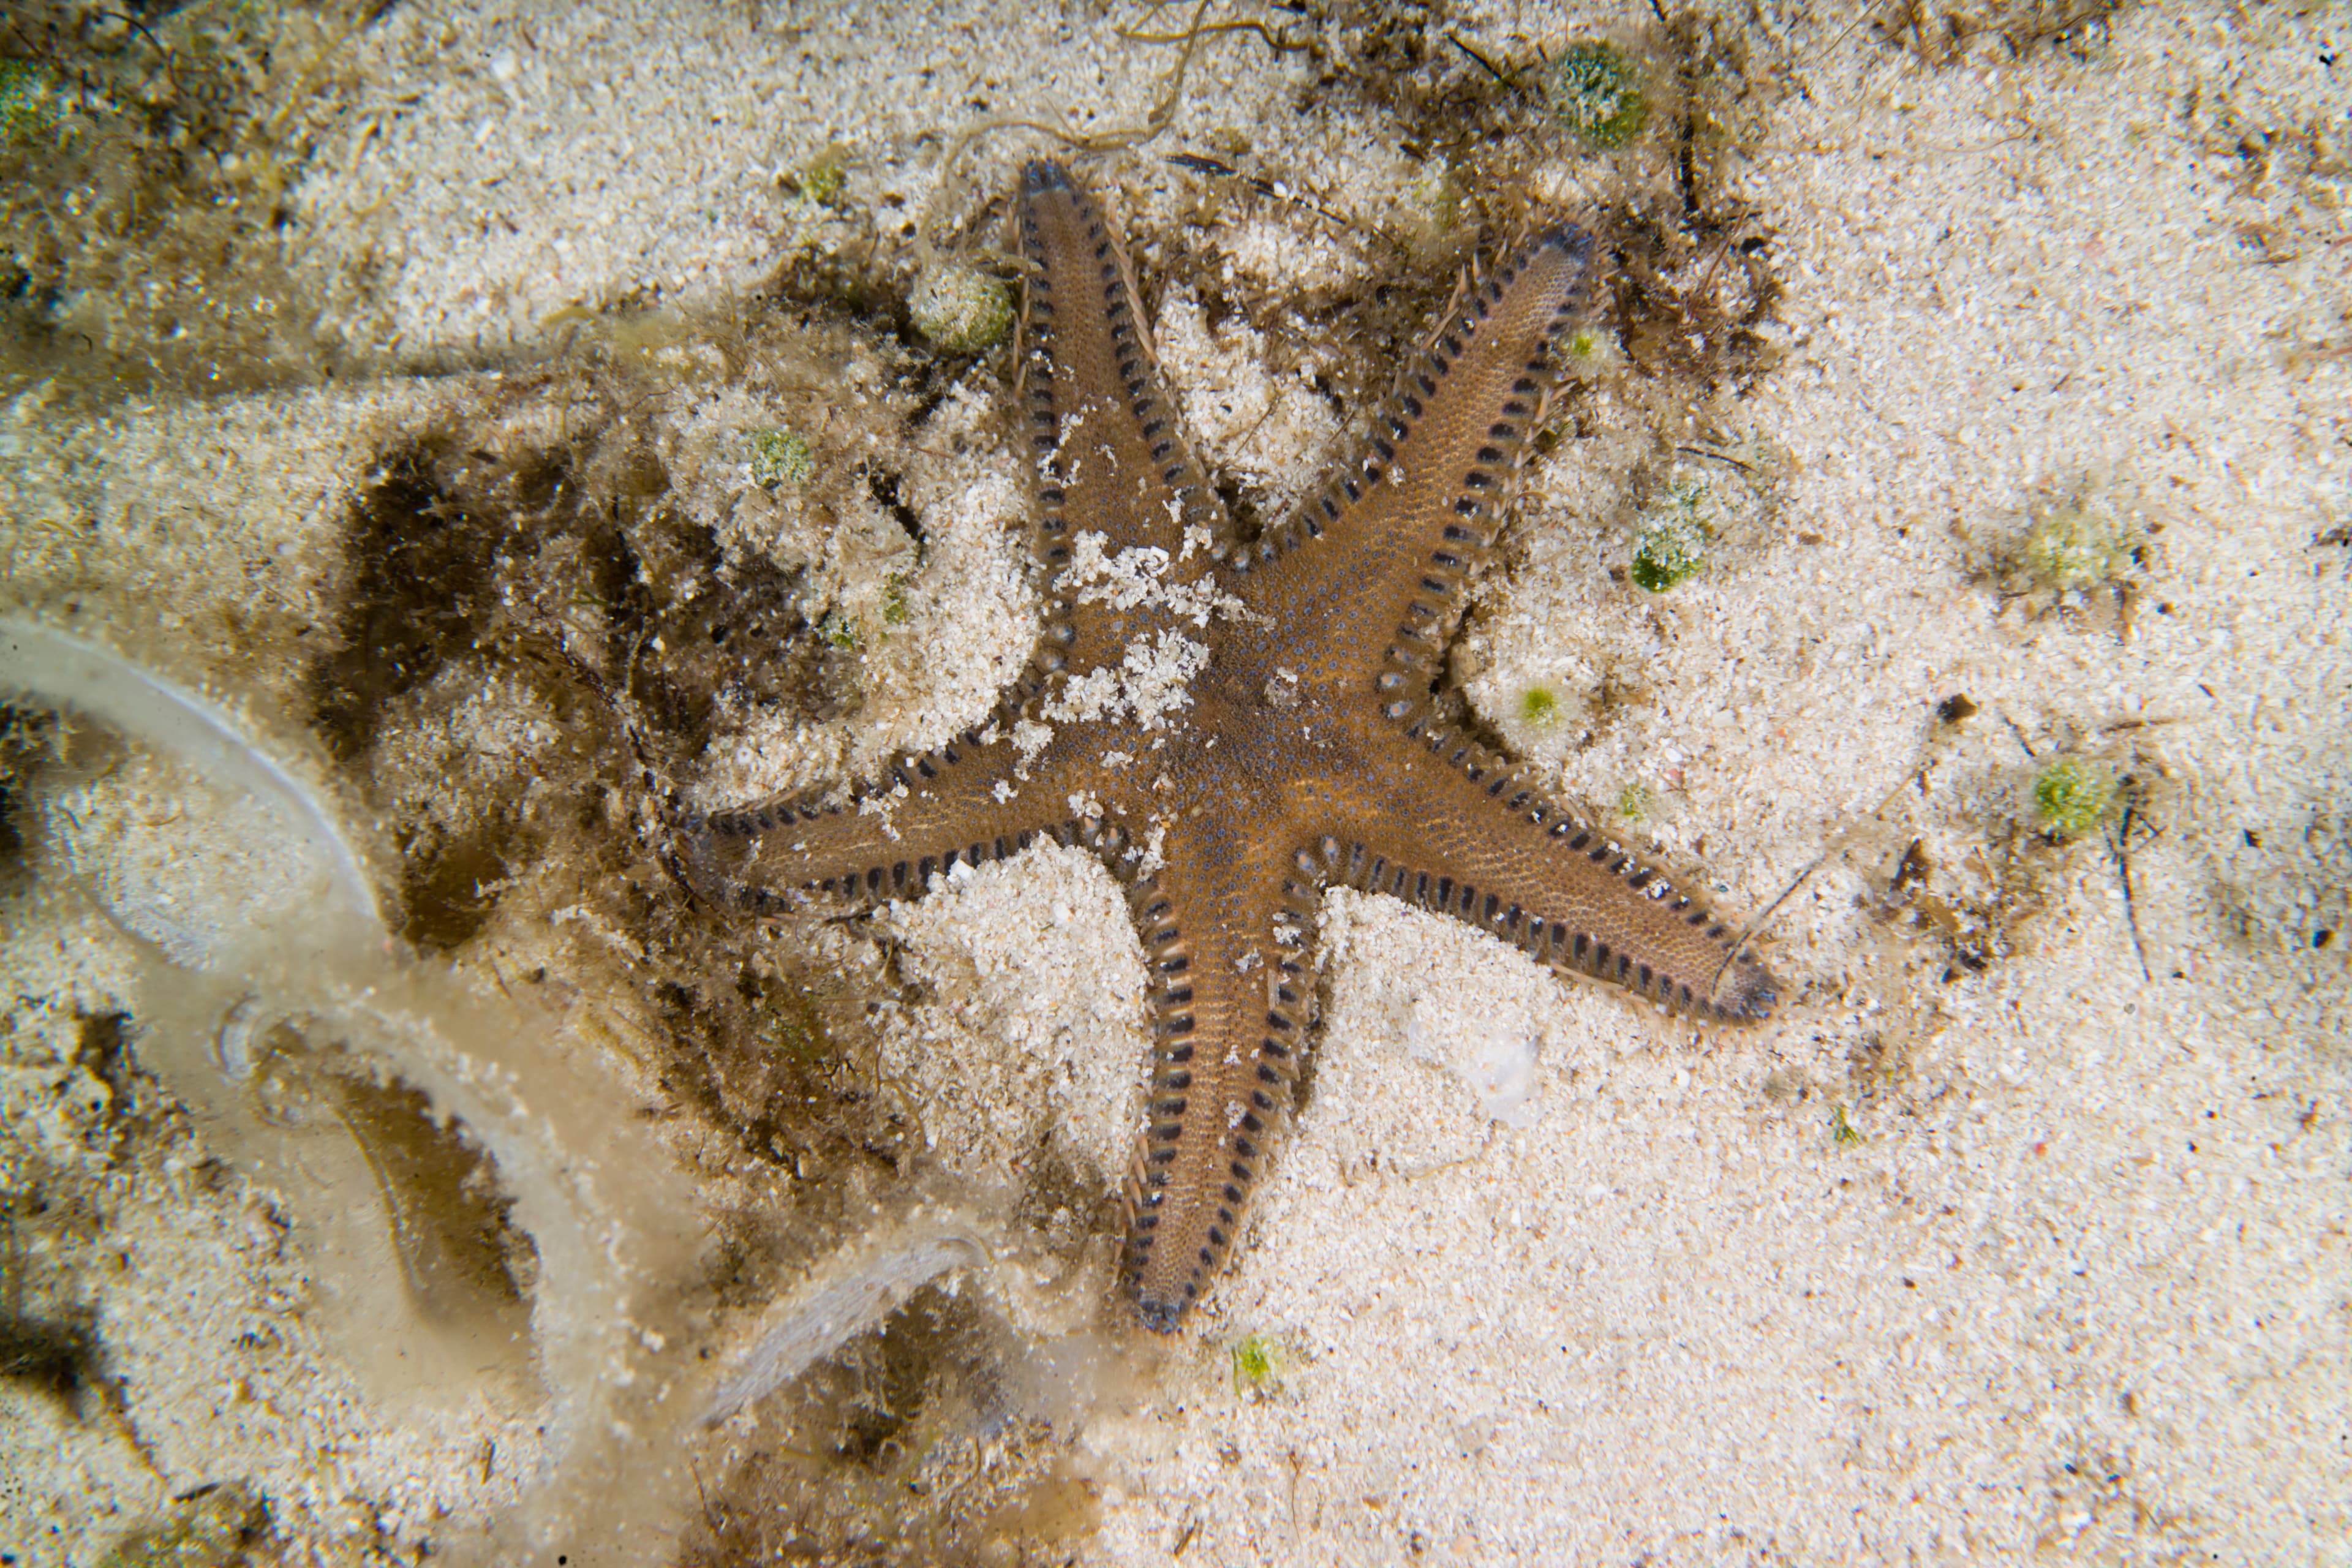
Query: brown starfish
1235, 725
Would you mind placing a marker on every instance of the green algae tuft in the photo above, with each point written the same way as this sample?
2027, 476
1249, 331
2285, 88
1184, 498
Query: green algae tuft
2072, 797
1672, 545
1261, 1363
1589, 351
780, 457
29, 109
960, 310
2083, 541
824, 180
1594, 89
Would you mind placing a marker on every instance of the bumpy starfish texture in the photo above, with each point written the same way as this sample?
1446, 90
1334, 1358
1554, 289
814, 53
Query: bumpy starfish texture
1235, 725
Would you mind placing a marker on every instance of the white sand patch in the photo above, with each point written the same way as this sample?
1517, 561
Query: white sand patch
1275, 430
1009, 1062
214, 526
1147, 688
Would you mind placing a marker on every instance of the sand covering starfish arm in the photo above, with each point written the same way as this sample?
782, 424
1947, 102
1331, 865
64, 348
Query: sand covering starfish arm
1126, 522
1126, 518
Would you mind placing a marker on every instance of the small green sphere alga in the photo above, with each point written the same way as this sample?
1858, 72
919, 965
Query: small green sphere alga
28, 103
1674, 539
959, 308
780, 457
2082, 542
1595, 91
1261, 1361
1589, 351
2073, 797
824, 179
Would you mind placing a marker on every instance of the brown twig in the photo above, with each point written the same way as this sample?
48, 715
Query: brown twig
2119, 845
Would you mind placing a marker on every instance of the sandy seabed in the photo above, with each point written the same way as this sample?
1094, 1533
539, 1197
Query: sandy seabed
2020, 1230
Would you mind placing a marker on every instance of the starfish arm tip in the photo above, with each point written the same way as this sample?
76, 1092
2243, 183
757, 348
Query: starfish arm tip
1747, 993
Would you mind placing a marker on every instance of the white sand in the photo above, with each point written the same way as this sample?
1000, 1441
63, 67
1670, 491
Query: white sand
2079, 1285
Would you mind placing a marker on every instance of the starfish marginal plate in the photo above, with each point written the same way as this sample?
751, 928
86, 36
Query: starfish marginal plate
1237, 724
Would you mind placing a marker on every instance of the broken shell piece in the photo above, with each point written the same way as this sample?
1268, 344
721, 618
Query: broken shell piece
801, 1329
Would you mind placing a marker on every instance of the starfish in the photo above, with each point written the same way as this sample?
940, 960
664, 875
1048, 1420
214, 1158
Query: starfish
1237, 724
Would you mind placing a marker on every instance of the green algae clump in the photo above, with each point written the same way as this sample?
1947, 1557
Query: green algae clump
1261, 1363
960, 310
780, 457
2071, 797
824, 179
1672, 545
1589, 351
2082, 542
28, 103
1594, 89
844, 629
1538, 706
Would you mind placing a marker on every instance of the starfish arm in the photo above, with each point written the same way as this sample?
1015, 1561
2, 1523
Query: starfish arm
1111, 459
1487, 847
1418, 508
1226, 937
928, 811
